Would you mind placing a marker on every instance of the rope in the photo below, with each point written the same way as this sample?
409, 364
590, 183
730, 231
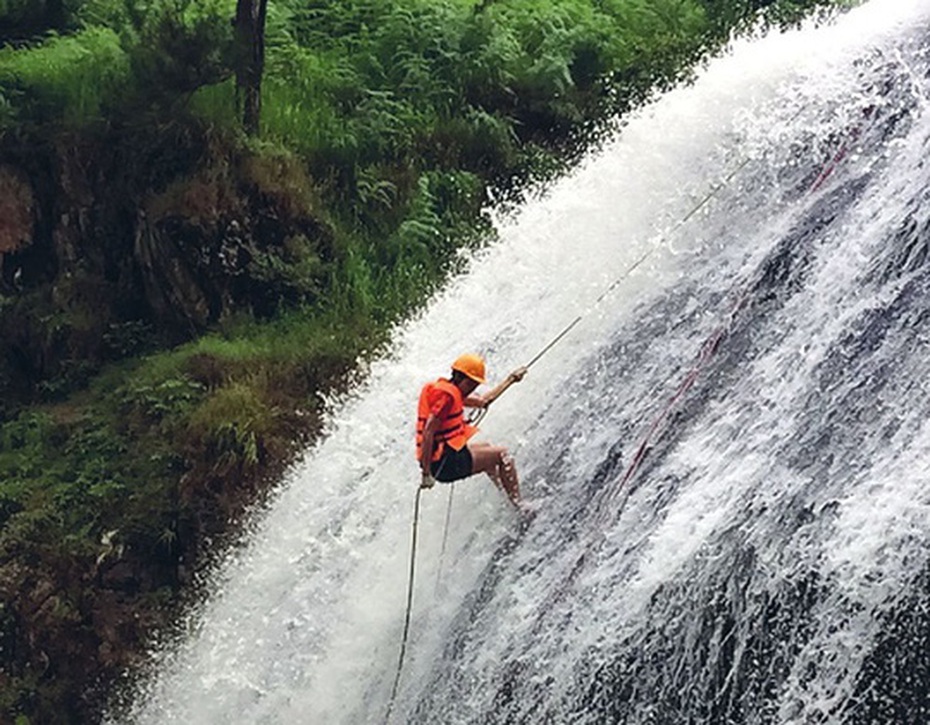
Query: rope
681, 222
445, 538
403, 642
633, 267
445, 532
552, 343
708, 349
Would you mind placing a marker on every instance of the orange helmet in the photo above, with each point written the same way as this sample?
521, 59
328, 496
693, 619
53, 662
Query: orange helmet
470, 365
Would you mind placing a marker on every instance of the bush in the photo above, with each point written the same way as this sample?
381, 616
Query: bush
231, 426
182, 45
21, 20
69, 79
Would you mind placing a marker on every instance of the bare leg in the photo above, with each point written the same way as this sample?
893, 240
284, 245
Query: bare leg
492, 472
498, 464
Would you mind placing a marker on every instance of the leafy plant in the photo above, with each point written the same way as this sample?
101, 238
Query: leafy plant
71, 78
183, 45
233, 424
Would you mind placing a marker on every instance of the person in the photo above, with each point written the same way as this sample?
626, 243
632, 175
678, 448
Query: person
444, 449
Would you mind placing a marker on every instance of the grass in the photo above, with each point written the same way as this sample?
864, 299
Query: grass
66, 79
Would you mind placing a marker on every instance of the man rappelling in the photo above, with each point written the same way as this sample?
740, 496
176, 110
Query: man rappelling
443, 448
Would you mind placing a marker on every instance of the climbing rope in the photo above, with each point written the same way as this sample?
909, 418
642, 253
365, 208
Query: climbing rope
483, 412
403, 642
710, 345
473, 421
708, 351
445, 538
681, 222
633, 267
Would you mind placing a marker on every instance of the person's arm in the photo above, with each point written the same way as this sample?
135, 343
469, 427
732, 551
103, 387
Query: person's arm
426, 449
483, 401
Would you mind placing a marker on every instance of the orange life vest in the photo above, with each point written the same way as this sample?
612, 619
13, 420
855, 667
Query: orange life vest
452, 431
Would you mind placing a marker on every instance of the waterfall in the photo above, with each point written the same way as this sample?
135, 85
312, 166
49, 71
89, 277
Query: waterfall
730, 454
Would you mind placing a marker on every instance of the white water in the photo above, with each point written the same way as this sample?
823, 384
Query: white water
781, 511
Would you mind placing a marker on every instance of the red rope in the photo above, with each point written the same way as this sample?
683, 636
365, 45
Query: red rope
712, 343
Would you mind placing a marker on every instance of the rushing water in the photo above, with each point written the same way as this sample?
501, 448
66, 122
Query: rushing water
730, 454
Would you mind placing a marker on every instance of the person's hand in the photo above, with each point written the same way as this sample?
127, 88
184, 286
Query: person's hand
426, 480
518, 374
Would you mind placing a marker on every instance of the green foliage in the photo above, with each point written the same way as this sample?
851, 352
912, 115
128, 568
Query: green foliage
123, 339
306, 96
60, 483
24, 443
155, 401
25, 19
731, 17
789, 13
126, 53
233, 424
292, 277
7, 110
67, 78
181, 46
352, 83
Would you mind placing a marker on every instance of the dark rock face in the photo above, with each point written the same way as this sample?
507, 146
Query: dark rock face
109, 246
17, 207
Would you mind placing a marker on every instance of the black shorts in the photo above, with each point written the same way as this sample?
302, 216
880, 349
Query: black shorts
453, 465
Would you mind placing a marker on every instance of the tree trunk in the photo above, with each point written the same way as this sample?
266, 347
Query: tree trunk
250, 60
